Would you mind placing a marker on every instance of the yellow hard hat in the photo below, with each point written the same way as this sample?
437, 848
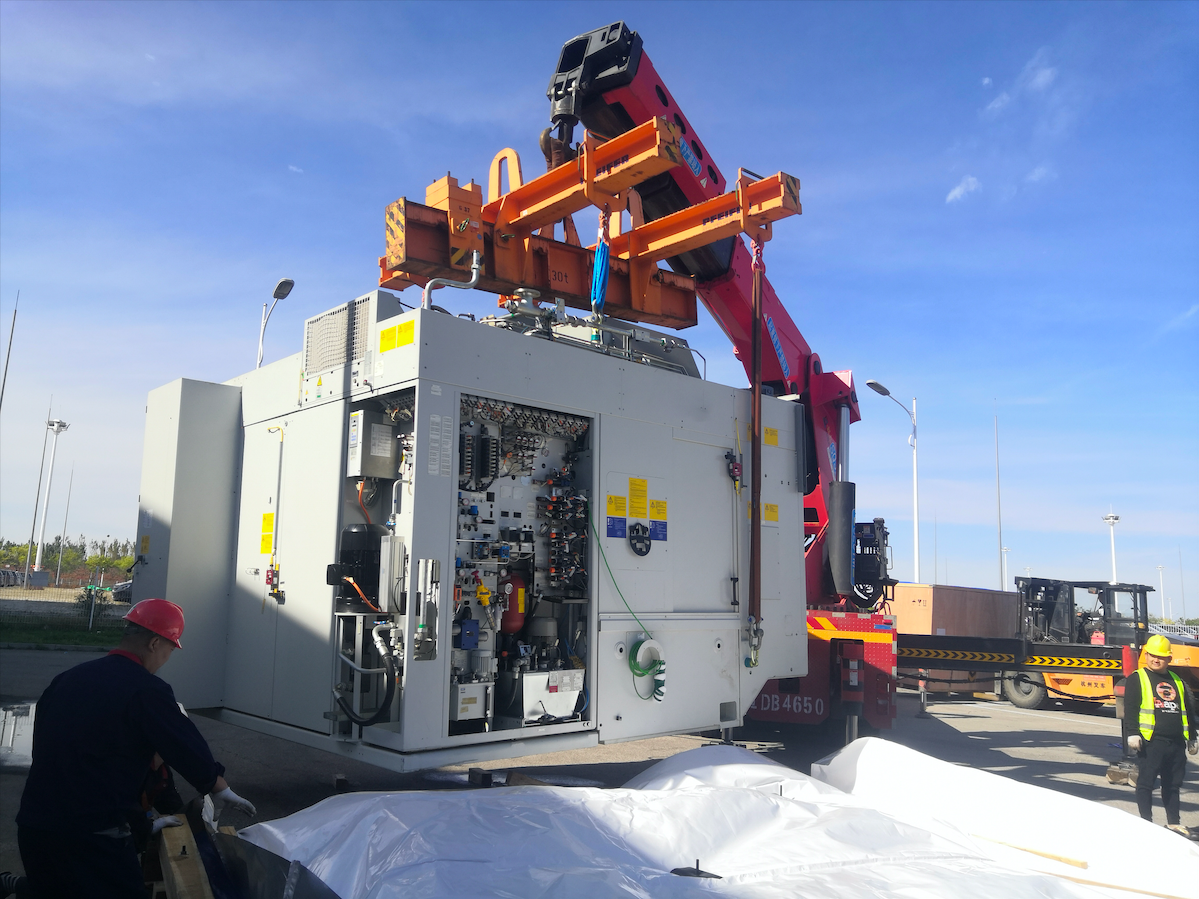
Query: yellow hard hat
1158, 646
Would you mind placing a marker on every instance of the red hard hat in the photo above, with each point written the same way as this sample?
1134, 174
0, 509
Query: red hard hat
160, 616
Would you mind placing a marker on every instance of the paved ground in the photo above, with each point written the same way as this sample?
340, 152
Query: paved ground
1063, 749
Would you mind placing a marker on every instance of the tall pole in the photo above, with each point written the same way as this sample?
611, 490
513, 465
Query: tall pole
1111, 518
1161, 585
62, 541
37, 495
8, 355
1182, 585
1005, 552
998, 503
915, 504
56, 425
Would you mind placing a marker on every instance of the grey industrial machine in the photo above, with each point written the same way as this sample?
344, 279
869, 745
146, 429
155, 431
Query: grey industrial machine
427, 540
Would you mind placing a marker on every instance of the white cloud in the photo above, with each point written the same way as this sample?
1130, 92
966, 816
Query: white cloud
1041, 78
149, 58
969, 184
1040, 173
1181, 320
296, 169
999, 102
986, 82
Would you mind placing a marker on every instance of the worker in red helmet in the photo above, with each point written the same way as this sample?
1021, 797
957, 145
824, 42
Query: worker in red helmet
96, 731
1159, 710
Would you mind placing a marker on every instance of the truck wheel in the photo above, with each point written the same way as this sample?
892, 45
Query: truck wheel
1025, 690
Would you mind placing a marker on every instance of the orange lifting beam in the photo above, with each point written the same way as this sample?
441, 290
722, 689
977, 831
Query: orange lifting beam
599, 173
754, 204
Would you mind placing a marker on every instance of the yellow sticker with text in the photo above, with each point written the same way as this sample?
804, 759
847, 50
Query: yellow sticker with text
387, 339
266, 544
145, 544
657, 509
638, 498
770, 436
406, 333
268, 522
616, 506
770, 512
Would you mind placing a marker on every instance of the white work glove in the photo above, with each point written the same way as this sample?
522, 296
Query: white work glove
1193, 746
164, 821
1134, 743
232, 800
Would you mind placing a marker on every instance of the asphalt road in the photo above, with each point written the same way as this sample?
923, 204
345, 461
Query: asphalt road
1063, 749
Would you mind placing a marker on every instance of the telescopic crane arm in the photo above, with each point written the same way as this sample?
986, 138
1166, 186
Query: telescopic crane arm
606, 82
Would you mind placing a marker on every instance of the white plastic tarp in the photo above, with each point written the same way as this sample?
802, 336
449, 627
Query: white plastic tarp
768, 831
1018, 824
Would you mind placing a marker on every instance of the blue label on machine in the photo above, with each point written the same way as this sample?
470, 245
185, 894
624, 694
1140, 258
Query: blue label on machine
657, 530
616, 527
778, 347
689, 157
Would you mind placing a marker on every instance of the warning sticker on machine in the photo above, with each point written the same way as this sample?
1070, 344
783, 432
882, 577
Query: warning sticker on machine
770, 436
638, 498
616, 505
657, 530
770, 512
380, 440
562, 681
657, 509
617, 527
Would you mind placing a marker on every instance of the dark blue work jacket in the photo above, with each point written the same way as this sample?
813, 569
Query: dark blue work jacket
95, 731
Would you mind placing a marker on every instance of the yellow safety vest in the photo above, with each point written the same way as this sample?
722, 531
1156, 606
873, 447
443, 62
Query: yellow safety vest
1148, 719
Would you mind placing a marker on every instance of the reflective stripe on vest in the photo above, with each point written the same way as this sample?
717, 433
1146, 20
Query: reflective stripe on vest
1147, 718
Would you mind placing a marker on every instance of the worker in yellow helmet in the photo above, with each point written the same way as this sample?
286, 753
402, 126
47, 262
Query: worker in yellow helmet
1160, 710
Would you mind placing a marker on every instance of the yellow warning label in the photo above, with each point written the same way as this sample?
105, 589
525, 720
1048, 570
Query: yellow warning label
268, 523
616, 506
319, 380
957, 655
770, 436
387, 339
266, 544
770, 512
638, 498
405, 333
145, 544
520, 600
657, 509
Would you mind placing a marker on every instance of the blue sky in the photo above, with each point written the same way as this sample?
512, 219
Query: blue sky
999, 219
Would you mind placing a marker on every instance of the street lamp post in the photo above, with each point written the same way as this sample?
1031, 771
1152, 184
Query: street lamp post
282, 289
1111, 518
57, 426
1005, 552
1162, 586
883, 391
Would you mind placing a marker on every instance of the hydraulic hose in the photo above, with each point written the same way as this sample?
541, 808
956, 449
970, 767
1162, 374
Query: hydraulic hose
389, 663
476, 268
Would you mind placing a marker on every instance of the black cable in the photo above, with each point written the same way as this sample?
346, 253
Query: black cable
385, 706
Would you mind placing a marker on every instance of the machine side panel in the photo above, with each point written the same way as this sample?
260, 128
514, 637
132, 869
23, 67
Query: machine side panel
189, 498
253, 614
306, 534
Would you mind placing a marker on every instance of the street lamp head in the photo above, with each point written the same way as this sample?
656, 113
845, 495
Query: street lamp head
1111, 518
878, 388
283, 288
57, 425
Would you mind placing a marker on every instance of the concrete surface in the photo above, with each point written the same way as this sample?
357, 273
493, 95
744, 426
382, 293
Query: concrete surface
1065, 749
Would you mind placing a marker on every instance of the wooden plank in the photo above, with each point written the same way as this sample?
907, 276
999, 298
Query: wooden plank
182, 868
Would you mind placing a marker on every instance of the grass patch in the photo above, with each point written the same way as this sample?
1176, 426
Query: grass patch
57, 633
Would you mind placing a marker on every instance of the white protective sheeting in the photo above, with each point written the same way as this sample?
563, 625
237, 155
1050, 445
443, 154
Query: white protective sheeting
1068, 836
769, 831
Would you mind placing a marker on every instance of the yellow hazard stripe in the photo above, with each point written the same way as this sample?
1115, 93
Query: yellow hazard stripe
957, 655
1054, 662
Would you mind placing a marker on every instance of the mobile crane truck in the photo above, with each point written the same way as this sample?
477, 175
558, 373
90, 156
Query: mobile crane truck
426, 540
